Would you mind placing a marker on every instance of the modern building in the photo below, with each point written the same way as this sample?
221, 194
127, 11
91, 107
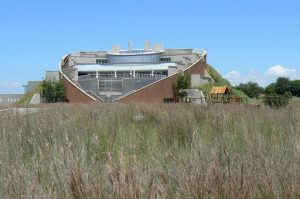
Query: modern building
132, 75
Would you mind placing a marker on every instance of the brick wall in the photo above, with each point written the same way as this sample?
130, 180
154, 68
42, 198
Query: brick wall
73, 94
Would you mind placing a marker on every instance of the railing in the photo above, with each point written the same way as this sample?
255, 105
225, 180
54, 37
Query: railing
120, 76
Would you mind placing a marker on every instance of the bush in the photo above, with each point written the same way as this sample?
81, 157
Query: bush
182, 82
277, 101
52, 92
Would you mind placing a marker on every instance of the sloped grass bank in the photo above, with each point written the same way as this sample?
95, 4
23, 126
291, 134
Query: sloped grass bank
220, 81
151, 151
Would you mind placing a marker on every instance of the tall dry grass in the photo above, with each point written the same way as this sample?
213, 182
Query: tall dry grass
150, 151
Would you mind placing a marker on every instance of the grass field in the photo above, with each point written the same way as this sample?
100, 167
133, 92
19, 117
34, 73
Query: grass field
151, 151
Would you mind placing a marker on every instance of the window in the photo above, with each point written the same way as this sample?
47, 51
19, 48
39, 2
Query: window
101, 61
166, 59
168, 100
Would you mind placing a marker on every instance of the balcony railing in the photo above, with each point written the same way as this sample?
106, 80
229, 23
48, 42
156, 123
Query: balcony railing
120, 76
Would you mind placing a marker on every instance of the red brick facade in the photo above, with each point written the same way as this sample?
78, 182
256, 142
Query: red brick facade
74, 94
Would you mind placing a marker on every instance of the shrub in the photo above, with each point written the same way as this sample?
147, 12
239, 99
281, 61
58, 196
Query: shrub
182, 82
52, 92
277, 101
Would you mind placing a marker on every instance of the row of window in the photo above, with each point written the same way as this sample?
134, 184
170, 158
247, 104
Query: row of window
101, 61
104, 61
9, 100
169, 100
167, 59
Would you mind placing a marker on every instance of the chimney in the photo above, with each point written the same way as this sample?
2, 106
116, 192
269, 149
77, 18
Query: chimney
129, 46
146, 45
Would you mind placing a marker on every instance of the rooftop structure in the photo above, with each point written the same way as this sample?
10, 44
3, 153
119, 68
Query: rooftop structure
117, 75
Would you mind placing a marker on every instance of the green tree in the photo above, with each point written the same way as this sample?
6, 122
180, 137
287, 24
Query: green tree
182, 82
252, 89
270, 89
295, 88
282, 85
52, 92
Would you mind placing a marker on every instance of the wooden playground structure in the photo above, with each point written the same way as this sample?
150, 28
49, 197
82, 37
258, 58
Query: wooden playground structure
222, 94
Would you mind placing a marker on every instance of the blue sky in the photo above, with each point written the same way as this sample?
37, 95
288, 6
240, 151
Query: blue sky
245, 40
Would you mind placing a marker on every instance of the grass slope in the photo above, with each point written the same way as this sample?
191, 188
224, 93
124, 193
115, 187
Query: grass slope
219, 81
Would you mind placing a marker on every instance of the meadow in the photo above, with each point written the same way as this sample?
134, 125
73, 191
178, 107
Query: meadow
151, 151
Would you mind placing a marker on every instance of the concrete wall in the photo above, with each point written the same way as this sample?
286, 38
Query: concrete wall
6, 99
183, 61
52, 76
198, 80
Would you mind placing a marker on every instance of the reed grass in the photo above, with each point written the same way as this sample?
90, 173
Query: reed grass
151, 151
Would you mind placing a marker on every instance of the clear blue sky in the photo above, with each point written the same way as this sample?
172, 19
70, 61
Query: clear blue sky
243, 39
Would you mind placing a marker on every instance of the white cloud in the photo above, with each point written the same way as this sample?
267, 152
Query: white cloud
236, 78
279, 71
262, 79
233, 75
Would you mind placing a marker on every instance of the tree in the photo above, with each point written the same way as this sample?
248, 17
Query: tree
182, 82
282, 85
295, 88
252, 89
270, 89
52, 92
